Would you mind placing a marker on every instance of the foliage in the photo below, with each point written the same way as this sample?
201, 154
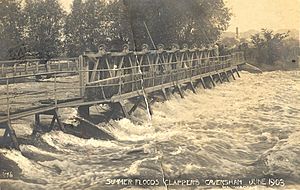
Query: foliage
177, 21
11, 22
43, 25
268, 46
230, 42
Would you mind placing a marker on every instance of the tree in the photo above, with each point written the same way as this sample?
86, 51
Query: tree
95, 22
230, 42
43, 27
268, 46
177, 21
74, 30
118, 30
85, 26
11, 26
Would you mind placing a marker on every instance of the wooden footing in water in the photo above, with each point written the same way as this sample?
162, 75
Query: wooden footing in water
9, 137
56, 118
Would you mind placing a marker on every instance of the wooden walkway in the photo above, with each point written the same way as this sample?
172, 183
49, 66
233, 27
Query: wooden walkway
107, 78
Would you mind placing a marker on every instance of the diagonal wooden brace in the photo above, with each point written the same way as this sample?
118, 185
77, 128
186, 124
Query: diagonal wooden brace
10, 136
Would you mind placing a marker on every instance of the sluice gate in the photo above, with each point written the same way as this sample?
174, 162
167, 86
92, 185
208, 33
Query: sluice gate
112, 78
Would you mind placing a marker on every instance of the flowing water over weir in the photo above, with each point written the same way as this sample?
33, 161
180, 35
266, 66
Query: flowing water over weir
247, 129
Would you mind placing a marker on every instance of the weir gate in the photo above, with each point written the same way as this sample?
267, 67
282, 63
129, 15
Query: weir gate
102, 77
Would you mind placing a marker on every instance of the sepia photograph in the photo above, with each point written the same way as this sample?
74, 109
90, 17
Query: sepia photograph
149, 94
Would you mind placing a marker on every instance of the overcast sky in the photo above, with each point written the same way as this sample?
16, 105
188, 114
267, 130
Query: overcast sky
257, 14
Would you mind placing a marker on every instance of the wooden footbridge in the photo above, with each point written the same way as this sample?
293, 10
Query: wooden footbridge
103, 77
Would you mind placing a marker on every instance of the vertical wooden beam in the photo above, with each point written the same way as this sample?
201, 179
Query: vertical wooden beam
10, 135
226, 76
135, 106
82, 75
212, 80
232, 75
180, 90
149, 104
220, 78
203, 83
123, 109
237, 72
192, 87
2, 70
52, 123
58, 119
36, 124
95, 70
84, 111
37, 120
164, 93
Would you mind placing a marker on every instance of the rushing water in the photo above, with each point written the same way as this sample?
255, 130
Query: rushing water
247, 129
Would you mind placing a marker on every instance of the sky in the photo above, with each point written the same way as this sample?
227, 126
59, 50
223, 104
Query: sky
257, 14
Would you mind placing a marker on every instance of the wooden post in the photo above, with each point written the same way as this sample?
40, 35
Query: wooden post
226, 76
26, 68
135, 106
52, 123
212, 80
203, 83
84, 111
232, 75
123, 109
55, 89
37, 120
192, 87
10, 134
58, 119
220, 78
164, 93
149, 102
82, 75
237, 72
36, 124
59, 65
180, 90
15, 70
2, 70
37, 67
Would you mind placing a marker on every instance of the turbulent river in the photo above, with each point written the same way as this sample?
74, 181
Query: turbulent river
242, 133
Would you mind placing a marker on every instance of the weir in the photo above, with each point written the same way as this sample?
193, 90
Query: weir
103, 77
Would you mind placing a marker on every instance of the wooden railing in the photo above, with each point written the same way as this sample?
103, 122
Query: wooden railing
19, 68
105, 75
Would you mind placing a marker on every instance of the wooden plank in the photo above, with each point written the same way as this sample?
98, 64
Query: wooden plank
164, 93
52, 123
123, 108
192, 87
58, 120
232, 74
226, 76
212, 80
237, 72
203, 83
94, 72
220, 78
180, 90
12, 136
135, 106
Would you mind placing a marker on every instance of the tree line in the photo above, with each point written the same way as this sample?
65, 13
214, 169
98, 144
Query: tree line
46, 30
266, 47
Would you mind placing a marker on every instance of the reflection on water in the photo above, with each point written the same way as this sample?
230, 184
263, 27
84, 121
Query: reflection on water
247, 129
